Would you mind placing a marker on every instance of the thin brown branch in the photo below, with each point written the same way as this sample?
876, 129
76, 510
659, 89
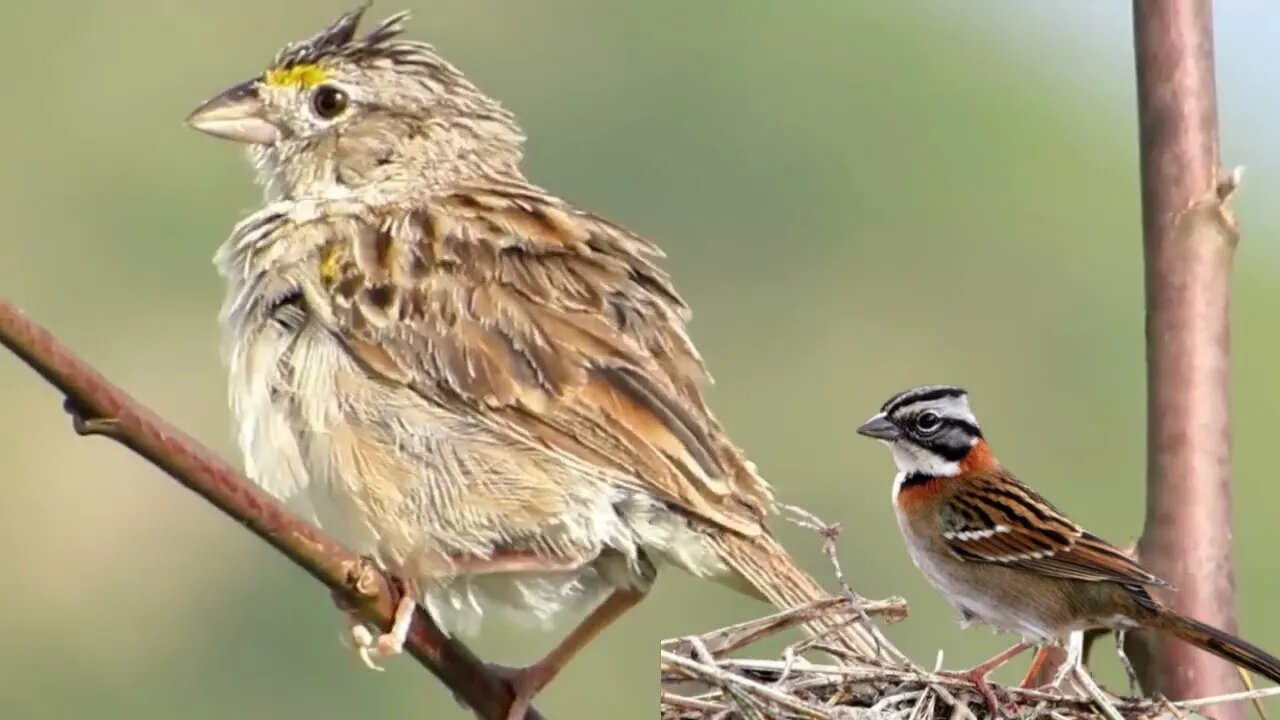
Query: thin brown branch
1189, 240
101, 408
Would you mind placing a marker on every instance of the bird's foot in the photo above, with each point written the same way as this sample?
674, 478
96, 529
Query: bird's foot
1074, 659
978, 677
388, 644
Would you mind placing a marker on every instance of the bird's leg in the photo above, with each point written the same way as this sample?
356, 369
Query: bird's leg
392, 643
1128, 666
978, 675
1075, 656
1037, 662
528, 681
512, 561
357, 631
387, 644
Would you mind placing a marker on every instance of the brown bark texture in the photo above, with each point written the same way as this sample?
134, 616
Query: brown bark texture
1189, 240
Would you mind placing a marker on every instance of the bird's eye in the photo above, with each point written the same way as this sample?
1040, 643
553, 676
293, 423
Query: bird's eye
329, 101
928, 422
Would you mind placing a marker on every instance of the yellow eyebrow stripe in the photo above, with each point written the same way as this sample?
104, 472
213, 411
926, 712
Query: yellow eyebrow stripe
305, 76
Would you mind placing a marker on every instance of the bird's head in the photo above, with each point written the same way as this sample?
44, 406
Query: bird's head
354, 110
930, 430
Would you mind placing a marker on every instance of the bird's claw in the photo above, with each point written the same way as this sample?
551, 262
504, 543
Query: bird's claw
979, 680
369, 647
388, 644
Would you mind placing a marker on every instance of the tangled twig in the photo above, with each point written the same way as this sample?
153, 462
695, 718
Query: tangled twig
795, 688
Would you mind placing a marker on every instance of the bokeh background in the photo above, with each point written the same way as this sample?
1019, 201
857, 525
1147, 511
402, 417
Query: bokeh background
855, 197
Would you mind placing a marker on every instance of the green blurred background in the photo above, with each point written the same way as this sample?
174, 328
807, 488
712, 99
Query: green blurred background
856, 197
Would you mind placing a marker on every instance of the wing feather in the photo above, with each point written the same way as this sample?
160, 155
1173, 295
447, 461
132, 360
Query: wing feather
994, 518
549, 325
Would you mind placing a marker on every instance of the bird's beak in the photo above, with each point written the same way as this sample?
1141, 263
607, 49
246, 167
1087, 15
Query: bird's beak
880, 428
236, 114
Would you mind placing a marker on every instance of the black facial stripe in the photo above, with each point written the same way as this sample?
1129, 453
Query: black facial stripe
952, 442
921, 394
948, 451
915, 479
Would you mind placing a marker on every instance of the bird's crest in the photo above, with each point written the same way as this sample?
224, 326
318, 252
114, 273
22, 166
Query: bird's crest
301, 63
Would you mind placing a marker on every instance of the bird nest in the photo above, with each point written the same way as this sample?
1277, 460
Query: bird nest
707, 678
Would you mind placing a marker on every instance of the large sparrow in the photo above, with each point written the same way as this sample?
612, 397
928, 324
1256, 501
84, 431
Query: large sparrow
487, 389
1002, 555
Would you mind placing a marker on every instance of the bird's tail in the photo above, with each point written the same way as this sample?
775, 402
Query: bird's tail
766, 571
1224, 645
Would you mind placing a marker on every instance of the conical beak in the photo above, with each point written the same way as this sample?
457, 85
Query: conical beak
236, 114
880, 428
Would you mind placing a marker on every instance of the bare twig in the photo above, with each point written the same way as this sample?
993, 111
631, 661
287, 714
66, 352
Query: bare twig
1247, 680
1189, 240
1099, 698
728, 639
1236, 697
829, 532
712, 674
100, 408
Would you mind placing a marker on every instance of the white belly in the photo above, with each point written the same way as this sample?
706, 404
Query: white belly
974, 602
296, 437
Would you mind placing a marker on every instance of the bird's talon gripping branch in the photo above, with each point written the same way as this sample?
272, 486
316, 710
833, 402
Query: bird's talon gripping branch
365, 644
979, 681
978, 675
388, 644
364, 578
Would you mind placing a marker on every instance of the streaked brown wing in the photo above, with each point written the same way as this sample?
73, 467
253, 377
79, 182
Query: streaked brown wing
994, 518
547, 324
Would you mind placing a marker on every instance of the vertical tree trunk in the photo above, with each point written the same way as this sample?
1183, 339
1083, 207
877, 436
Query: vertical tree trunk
1189, 240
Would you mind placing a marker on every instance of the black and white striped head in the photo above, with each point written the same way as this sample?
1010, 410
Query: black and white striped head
929, 429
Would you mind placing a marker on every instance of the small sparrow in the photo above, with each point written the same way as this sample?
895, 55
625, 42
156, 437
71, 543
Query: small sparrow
1003, 556
487, 389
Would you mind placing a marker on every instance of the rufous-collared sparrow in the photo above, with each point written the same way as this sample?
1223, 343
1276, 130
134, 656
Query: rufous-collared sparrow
1002, 555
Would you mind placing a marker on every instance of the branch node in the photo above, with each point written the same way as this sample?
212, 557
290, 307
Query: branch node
86, 422
1229, 183
365, 578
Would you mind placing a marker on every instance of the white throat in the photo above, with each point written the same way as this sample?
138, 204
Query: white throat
911, 458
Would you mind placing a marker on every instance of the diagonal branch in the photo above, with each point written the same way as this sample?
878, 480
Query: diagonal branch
101, 408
